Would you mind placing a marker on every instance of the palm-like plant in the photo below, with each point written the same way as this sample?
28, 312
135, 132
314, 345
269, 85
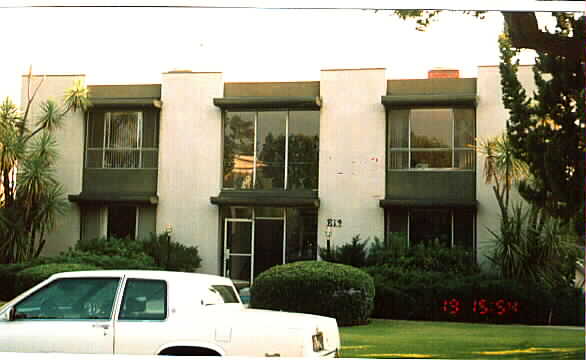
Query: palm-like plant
30, 196
501, 169
531, 245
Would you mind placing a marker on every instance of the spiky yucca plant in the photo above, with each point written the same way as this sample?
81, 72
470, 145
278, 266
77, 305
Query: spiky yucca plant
30, 196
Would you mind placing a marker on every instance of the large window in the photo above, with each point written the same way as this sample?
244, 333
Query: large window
271, 150
431, 139
122, 140
431, 227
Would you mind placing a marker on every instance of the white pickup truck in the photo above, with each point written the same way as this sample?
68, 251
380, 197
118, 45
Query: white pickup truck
155, 313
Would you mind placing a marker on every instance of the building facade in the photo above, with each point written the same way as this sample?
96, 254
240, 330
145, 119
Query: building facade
259, 174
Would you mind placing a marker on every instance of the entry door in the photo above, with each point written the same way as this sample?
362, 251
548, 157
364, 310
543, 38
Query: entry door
268, 244
238, 245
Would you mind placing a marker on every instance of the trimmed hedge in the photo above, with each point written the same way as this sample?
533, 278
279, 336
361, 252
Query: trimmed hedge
420, 295
8, 273
30, 277
316, 287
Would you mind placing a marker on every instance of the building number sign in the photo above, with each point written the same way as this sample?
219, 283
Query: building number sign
336, 223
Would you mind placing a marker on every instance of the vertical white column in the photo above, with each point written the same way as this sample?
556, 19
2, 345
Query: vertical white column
352, 154
190, 162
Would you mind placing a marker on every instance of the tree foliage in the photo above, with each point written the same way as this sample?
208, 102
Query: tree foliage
30, 196
546, 130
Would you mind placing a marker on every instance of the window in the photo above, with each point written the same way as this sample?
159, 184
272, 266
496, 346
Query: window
122, 140
74, 299
301, 234
226, 293
122, 221
271, 150
144, 300
431, 139
431, 227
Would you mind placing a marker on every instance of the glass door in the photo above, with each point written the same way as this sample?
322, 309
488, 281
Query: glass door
238, 245
268, 244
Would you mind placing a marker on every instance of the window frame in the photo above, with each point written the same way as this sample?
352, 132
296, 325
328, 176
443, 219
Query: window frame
124, 295
136, 219
140, 148
409, 149
256, 112
452, 214
113, 311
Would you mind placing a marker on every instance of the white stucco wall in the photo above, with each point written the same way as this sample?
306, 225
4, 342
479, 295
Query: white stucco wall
352, 153
190, 162
69, 166
491, 117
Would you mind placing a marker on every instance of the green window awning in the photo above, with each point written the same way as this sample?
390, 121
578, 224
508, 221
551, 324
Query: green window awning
401, 203
114, 198
268, 102
272, 199
125, 102
429, 100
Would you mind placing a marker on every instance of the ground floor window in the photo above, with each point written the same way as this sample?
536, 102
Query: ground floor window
122, 221
116, 220
430, 227
255, 239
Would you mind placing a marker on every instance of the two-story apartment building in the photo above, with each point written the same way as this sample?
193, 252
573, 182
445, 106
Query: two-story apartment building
258, 174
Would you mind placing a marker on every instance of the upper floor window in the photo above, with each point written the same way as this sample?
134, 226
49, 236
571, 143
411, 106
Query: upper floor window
271, 150
122, 140
434, 138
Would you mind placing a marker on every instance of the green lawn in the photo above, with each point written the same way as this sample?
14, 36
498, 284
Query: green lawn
422, 339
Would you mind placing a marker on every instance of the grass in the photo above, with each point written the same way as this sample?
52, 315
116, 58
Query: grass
450, 340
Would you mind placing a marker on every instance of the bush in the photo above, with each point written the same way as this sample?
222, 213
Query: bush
353, 254
31, 276
8, 273
425, 295
431, 258
316, 287
112, 246
177, 257
101, 261
426, 258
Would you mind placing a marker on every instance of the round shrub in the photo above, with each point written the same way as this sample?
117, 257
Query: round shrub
316, 287
29, 277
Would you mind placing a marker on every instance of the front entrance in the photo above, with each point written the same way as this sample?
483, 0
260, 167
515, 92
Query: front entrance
251, 246
255, 239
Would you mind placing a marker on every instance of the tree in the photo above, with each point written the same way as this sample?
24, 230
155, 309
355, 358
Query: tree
530, 246
502, 169
546, 130
523, 30
30, 197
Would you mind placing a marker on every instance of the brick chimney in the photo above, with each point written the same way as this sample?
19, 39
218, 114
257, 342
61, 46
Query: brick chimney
443, 74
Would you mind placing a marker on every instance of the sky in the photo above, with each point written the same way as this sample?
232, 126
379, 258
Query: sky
136, 45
